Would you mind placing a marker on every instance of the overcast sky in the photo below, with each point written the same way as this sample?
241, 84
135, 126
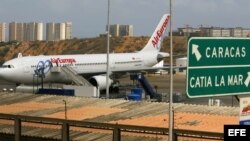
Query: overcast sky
89, 17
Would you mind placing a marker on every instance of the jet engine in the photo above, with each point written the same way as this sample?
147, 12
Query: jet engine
100, 81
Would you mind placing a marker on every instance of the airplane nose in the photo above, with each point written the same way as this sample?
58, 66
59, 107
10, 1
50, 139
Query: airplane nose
3, 73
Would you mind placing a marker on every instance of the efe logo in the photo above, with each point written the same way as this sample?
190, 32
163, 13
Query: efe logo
236, 132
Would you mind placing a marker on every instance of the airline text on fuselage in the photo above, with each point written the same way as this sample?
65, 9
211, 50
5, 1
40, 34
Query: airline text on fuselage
63, 61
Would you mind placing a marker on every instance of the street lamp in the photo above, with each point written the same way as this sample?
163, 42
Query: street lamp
65, 109
170, 137
108, 28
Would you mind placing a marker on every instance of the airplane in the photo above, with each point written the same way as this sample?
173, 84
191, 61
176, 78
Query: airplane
21, 70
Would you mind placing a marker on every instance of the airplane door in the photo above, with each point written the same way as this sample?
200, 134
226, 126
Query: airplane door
26, 69
111, 65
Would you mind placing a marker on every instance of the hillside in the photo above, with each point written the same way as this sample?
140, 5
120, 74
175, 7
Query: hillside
10, 50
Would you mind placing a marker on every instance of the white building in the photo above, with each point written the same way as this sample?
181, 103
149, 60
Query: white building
214, 32
117, 30
68, 30
114, 30
246, 33
39, 32
25, 31
34, 31
19, 32
58, 31
225, 32
30, 31
237, 32
50, 31
12, 31
126, 30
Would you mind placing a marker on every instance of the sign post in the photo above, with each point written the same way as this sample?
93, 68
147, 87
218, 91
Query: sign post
218, 66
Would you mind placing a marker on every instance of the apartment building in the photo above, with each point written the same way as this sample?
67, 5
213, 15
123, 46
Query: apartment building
58, 31
32, 31
213, 32
117, 30
2, 32
68, 30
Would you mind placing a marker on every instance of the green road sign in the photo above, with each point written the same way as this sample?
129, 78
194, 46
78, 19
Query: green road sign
218, 66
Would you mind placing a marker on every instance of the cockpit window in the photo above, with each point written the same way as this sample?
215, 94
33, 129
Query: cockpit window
7, 66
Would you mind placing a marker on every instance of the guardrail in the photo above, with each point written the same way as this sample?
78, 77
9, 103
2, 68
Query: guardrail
117, 128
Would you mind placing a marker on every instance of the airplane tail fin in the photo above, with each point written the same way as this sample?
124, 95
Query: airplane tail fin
156, 39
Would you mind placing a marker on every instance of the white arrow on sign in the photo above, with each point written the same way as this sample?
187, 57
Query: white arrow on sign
196, 52
247, 81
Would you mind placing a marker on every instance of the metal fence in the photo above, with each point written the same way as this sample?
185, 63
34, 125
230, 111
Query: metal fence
115, 128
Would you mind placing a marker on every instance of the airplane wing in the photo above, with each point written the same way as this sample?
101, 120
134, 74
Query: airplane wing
148, 69
128, 70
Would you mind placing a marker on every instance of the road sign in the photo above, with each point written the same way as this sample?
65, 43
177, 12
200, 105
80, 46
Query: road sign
245, 111
218, 66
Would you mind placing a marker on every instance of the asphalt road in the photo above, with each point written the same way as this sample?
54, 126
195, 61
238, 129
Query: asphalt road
6, 85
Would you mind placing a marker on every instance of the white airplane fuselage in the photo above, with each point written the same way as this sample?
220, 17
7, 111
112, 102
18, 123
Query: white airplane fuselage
21, 70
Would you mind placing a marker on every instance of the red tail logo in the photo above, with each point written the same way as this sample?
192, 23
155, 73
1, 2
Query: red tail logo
160, 32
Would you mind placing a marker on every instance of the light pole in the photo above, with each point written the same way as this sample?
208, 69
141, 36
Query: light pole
65, 109
170, 138
107, 76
